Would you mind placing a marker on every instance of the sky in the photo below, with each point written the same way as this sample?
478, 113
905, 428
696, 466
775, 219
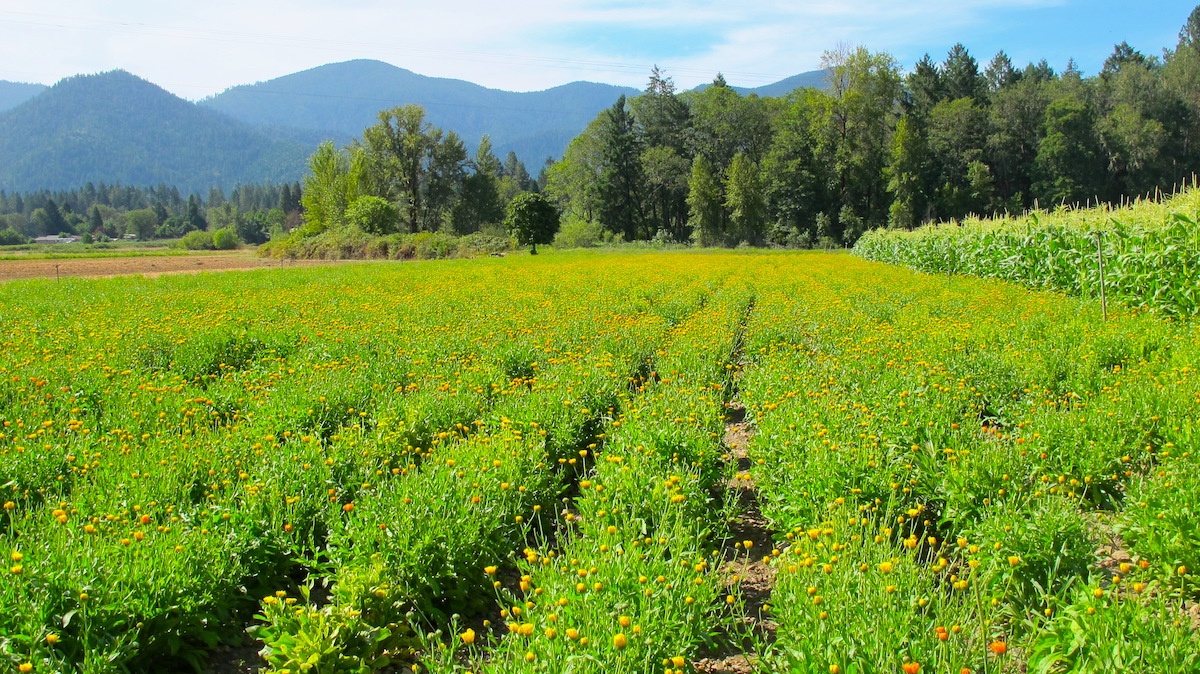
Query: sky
197, 49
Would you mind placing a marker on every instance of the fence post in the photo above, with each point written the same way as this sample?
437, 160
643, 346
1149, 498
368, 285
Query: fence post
1100, 260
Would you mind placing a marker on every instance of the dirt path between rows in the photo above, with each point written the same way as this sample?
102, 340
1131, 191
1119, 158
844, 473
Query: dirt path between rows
745, 568
147, 265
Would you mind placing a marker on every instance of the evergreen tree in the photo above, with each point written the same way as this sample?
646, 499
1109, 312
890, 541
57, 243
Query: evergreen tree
95, 221
745, 202
479, 201
285, 198
960, 75
55, 222
705, 213
1000, 73
906, 177
620, 199
925, 88
193, 220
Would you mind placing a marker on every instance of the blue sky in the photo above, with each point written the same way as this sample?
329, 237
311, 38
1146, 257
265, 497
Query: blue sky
196, 49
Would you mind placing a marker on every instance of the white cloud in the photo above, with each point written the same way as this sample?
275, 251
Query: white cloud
196, 49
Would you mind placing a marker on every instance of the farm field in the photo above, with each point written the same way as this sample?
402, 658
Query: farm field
637, 462
38, 265
1144, 254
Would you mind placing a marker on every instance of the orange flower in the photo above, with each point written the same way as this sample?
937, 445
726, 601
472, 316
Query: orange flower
998, 647
911, 667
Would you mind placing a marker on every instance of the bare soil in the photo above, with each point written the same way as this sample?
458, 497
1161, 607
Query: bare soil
744, 569
147, 265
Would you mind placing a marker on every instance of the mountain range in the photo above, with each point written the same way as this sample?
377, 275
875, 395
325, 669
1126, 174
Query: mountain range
115, 127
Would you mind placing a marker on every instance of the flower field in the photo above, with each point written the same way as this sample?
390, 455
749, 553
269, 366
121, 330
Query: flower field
520, 465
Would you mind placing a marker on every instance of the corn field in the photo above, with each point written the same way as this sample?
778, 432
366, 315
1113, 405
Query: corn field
1150, 250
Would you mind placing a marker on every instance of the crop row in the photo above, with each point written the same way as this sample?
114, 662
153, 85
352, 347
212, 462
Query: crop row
946, 457
517, 465
169, 457
1150, 252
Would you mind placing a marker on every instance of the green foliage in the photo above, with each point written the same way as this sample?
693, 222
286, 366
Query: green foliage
300, 637
333, 183
576, 233
9, 237
532, 219
746, 203
142, 223
939, 461
225, 239
197, 239
373, 215
1150, 251
619, 196
704, 204
348, 243
409, 161
1111, 633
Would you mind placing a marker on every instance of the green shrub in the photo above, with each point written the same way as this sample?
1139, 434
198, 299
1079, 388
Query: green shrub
576, 233
373, 215
433, 245
225, 239
10, 237
197, 240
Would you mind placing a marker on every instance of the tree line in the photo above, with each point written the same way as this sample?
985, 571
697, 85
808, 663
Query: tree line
405, 175
879, 148
876, 148
98, 212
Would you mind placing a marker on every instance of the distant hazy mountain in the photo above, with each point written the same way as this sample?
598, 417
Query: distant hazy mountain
339, 100
814, 79
13, 94
115, 127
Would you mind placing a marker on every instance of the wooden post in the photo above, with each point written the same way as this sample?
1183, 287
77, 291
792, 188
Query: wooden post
1100, 260
57, 276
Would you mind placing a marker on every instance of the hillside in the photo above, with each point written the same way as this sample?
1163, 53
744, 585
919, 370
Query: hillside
13, 94
115, 127
815, 79
337, 101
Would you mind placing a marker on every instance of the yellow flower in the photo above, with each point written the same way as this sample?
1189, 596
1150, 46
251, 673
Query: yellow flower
620, 641
468, 637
